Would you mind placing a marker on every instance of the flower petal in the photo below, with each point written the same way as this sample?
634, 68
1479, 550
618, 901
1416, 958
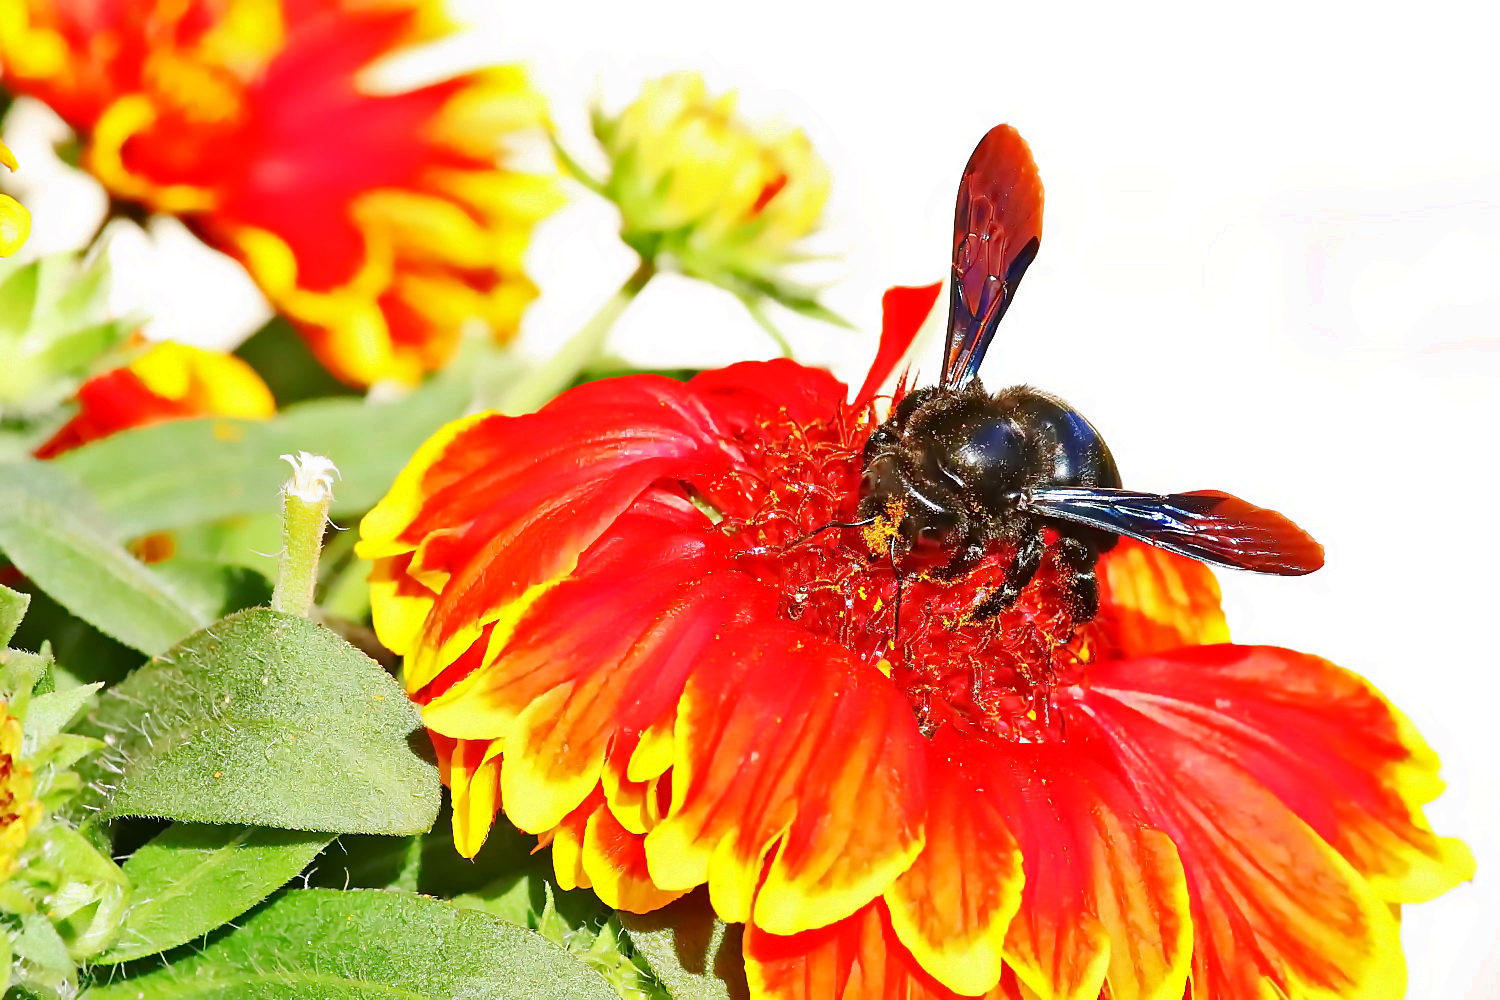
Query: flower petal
753, 776
903, 310
1151, 600
1105, 900
1276, 910
744, 395
502, 505
857, 958
1322, 740
615, 861
951, 908
598, 658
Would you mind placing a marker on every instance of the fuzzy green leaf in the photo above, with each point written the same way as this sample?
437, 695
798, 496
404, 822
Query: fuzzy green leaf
264, 719
50, 531
47, 714
12, 609
691, 952
193, 878
322, 944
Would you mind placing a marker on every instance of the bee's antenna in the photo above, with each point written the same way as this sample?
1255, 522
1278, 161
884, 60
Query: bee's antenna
831, 524
896, 572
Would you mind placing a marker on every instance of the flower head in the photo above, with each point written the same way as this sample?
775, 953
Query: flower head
614, 639
376, 219
20, 811
169, 381
15, 221
724, 199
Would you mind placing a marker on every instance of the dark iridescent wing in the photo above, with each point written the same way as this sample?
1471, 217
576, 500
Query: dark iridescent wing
996, 232
1206, 525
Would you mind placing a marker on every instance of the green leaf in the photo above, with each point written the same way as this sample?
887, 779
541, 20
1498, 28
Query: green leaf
188, 471
51, 533
214, 590
322, 944
49, 713
263, 719
695, 955
78, 649
12, 611
193, 878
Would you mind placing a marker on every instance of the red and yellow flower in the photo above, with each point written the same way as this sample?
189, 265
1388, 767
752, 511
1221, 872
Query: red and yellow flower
376, 218
169, 381
612, 641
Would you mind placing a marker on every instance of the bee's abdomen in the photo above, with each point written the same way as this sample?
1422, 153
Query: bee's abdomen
1071, 451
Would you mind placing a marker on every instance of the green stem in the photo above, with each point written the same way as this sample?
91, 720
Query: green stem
757, 309
558, 372
304, 506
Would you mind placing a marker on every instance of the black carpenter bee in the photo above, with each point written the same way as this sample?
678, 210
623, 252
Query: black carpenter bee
960, 470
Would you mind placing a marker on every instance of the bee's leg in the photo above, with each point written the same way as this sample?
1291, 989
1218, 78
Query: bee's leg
1029, 551
1078, 556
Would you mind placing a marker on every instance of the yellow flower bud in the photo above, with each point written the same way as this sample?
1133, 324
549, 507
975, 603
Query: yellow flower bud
724, 199
15, 221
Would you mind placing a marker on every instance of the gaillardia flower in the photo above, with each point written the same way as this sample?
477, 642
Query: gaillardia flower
724, 200
377, 219
15, 221
169, 381
614, 639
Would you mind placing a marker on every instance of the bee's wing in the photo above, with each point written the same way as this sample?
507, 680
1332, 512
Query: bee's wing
997, 229
1206, 525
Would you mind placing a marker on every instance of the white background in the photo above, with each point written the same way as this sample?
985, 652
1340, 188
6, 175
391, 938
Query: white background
1271, 265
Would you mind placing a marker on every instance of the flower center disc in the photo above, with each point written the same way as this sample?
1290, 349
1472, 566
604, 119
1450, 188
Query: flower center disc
995, 675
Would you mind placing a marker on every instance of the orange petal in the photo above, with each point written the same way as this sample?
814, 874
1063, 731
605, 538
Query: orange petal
615, 860
903, 310
1321, 739
474, 779
951, 908
1276, 910
1105, 900
1151, 601
599, 657
753, 775
858, 958
517, 500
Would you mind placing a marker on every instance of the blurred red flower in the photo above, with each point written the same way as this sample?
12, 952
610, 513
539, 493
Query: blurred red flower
168, 381
376, 218
612, 641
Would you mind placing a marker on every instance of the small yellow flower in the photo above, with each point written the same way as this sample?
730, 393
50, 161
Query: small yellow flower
19, 809
15, 221
724, 199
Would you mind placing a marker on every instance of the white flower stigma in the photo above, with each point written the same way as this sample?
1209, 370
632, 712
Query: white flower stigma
312, 477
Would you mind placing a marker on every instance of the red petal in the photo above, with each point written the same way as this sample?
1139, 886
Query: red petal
1275, 908
903, 311
1321, 739
599, 657
858, 958
782, 741
1105, 900
507, 504
615, 861
1151, 600
951, 908
744, 395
